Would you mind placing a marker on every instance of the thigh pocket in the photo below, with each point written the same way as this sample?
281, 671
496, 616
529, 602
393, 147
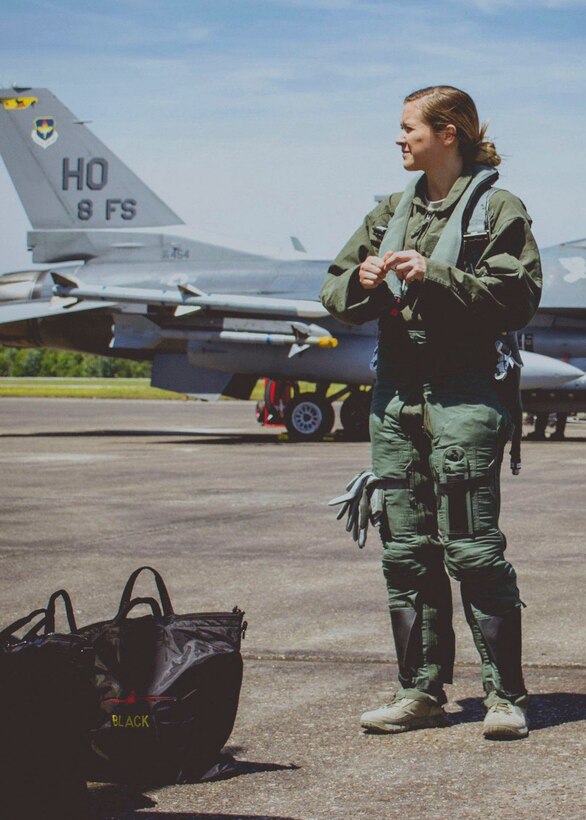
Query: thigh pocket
409, 507
399, 521
466, 495
452, 475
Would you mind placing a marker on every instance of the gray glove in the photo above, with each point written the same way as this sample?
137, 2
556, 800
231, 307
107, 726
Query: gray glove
364, 504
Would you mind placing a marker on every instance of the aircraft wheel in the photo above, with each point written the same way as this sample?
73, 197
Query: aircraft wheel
309, 417
354, 414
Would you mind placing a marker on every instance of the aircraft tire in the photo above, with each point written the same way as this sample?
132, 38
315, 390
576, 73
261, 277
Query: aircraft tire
354, 415
309, 417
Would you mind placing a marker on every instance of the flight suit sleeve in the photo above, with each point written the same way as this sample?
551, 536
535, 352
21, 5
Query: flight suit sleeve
504, 291
342, 294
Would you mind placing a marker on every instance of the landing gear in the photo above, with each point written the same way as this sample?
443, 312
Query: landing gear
309, 417
354, 415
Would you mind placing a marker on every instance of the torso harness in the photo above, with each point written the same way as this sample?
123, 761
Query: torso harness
466, 233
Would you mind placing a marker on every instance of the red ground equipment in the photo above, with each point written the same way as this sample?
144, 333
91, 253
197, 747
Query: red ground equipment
270, 411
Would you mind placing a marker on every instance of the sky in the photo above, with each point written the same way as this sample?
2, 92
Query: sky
255, 120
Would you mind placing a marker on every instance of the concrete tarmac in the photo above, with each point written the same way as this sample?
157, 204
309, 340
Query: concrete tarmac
232, 514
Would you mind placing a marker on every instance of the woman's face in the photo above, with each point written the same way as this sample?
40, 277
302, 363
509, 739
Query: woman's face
423, 149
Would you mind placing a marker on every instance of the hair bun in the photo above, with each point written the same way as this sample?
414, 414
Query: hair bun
486, 154
443, 105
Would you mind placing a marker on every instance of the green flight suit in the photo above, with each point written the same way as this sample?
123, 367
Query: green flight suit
438, 431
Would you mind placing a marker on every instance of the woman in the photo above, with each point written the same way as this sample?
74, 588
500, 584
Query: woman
444, 299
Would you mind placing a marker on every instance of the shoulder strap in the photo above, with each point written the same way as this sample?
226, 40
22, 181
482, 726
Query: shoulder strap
394, 238
475, 238
479, 222
449, 244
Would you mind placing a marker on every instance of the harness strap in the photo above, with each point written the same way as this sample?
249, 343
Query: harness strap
479, 222
466, 232
457, 484
391, 484
449, 244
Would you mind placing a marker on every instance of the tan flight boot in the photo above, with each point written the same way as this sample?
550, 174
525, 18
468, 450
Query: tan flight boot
408, 710
505, 720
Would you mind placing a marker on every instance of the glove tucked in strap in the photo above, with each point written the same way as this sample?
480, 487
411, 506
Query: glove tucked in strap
364, 502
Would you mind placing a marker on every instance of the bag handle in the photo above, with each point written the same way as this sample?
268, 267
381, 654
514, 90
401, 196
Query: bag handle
162, 589
9, 631
152, 602
50, 619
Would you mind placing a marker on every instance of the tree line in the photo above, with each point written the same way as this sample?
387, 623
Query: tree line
65, 364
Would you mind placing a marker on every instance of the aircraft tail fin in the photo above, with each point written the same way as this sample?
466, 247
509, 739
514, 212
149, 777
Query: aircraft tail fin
64, 175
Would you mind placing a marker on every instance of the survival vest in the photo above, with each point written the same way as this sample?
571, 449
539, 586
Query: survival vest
461, 244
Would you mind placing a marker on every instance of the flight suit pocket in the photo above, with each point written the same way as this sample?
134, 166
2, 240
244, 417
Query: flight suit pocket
452, 475
466, 494
399, 520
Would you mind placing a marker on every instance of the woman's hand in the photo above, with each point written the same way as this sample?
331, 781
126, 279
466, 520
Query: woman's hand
372, 272
409, 266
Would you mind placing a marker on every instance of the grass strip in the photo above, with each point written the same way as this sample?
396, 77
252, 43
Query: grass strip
95, 388
82, 389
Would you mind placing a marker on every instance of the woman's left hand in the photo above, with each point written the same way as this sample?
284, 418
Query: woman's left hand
409, 266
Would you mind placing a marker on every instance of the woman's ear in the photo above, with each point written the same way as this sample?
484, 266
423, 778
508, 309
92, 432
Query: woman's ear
449, 134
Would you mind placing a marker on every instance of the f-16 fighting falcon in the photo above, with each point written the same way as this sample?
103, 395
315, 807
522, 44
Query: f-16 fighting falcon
212, 319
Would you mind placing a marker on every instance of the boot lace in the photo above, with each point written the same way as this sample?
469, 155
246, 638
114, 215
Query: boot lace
397, 699
502, 706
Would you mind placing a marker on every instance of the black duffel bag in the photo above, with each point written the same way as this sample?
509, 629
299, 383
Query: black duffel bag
168, 688
47, 705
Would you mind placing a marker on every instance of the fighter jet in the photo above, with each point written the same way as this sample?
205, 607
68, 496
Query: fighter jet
212, 319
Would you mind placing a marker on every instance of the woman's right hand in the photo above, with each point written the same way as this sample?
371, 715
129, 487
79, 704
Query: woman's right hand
372, 272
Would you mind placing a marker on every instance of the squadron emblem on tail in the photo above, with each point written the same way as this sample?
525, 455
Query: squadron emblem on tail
44, 132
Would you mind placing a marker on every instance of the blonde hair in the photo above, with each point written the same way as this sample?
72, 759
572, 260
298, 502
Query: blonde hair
443, 105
